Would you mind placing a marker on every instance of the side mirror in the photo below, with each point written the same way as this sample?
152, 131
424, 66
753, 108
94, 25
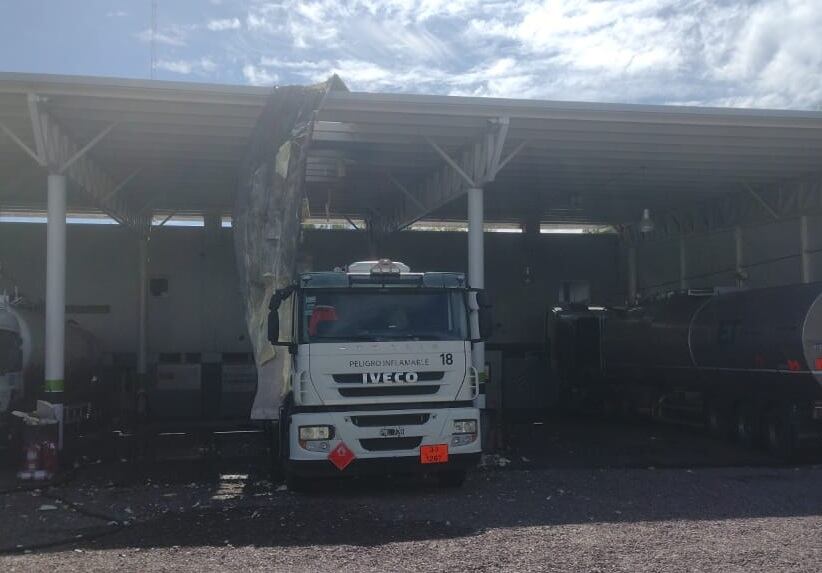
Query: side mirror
483, 300
486, 323
486, 320
274, 314
273, 325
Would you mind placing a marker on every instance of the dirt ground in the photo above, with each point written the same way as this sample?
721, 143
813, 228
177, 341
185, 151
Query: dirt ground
569, 496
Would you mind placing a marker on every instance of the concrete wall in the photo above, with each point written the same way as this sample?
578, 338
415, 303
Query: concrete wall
771, 257
201, 311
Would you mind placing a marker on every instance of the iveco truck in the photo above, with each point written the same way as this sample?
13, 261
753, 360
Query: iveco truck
381, 378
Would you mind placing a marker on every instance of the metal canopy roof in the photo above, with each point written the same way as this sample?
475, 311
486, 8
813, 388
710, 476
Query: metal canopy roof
173, 145
176, 147
581, 161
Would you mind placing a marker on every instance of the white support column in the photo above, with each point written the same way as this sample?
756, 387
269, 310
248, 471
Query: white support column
142, 307
56, 287
632, 274
476, 273
740, 256
805, 255
683, 264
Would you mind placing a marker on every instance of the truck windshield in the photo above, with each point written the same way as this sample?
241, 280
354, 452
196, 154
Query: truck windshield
11, 356
331, 316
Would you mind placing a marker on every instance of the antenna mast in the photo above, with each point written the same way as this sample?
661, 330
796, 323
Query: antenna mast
153, 38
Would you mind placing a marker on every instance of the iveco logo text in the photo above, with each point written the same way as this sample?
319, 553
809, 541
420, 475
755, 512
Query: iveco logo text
389, 377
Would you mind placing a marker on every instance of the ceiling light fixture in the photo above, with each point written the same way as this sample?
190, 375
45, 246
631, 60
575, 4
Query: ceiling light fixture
646, 224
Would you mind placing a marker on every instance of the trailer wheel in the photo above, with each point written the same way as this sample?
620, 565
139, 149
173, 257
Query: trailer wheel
451, 478
716, 419
746, 424
781, 437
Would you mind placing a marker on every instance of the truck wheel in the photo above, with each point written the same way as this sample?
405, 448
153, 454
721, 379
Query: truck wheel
780, 434
451, 478
746, 424
716, 420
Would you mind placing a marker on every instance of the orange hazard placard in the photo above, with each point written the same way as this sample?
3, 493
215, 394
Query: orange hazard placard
341, 456
436, 454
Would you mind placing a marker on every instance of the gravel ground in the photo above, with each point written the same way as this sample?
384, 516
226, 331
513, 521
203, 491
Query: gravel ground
596, 514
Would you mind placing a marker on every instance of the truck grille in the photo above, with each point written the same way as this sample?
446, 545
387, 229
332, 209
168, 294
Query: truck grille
390, 420
356, 378
371, 391
385, 444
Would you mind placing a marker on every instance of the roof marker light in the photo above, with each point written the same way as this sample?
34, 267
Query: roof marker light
385, 267
379, 267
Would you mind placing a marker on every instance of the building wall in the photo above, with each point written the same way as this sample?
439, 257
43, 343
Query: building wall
201, 312
771, 257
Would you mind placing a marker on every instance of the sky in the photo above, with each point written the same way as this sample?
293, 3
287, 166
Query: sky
754, 53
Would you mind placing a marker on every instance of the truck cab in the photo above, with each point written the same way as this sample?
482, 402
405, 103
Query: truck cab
381, 376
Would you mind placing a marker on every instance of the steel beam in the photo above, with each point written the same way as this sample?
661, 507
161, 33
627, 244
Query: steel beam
761, 201
786, 201
405, 192
29, 151
476, 165
61, 155
804, 249
87, 147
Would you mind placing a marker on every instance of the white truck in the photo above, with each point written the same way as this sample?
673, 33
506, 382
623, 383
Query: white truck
381, 379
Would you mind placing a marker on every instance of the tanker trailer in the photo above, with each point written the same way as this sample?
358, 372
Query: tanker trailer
748, 361
22, 358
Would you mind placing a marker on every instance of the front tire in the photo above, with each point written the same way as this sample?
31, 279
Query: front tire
746, 424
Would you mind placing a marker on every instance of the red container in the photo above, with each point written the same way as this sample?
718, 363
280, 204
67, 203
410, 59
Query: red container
40, 454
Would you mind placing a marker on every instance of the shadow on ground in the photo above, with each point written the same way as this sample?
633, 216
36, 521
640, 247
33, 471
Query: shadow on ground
559, 474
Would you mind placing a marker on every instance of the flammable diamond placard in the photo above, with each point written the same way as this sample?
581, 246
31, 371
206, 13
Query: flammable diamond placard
341, 456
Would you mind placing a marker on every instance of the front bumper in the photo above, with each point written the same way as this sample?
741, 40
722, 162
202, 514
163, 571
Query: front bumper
384, 441
381, 466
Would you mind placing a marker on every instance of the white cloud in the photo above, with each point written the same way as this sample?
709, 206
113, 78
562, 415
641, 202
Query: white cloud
117, 14
201, 66
223, 24
730, 52
174, 36
776, 53
259, 76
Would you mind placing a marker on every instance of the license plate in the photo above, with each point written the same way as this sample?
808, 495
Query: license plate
437, 454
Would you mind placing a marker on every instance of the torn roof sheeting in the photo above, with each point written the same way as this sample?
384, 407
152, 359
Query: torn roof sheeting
267, 213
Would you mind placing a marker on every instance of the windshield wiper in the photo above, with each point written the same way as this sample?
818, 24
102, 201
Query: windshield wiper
346, 338
418, 336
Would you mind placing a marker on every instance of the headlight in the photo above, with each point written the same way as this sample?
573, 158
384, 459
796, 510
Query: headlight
465, 426
316, 433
